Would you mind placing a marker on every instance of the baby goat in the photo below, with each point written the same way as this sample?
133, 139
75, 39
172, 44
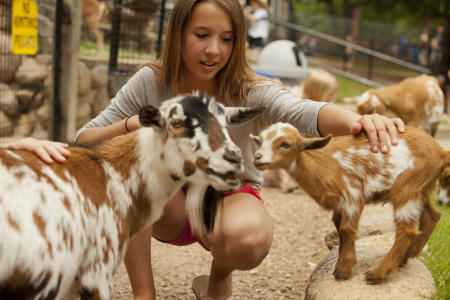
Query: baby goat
342, 174
66, 227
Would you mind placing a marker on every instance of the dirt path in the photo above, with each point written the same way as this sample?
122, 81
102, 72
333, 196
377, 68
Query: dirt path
300, 226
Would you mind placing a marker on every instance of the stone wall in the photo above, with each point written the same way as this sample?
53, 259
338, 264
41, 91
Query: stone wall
26, 92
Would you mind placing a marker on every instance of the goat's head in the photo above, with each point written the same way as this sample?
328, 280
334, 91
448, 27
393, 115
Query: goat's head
444, 187
279, 144
197, 146
369, 103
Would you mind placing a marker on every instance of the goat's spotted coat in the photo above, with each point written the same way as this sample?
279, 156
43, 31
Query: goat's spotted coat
345, 175
67, 226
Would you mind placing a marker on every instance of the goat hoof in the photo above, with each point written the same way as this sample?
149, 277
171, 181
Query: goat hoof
342, 274
371, 278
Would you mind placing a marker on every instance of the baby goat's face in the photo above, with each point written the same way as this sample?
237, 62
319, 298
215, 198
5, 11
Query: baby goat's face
280, 144
277, 147
196, 140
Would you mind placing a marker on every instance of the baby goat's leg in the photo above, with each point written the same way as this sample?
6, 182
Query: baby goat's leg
347, 227
429, 218
337, 222
406, 232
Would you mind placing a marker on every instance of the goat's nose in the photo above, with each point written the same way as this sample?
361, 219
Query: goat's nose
258, 155
232, 156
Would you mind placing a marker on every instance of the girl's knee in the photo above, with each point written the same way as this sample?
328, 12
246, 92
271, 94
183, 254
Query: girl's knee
247, 242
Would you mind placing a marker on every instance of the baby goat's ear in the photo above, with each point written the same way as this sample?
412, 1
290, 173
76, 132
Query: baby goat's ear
150, 116
314, 143
237, 115
255, 140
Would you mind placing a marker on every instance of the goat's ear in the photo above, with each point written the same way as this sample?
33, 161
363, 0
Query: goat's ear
315, 143
255, 140
237, 115
150, 116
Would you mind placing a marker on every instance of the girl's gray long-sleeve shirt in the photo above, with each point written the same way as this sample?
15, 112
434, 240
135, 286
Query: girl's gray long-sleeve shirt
143, 88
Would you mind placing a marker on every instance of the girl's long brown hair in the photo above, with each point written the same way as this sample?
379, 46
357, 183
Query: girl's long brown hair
234, 80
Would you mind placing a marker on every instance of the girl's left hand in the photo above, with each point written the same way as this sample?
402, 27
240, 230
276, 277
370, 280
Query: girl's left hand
379, 129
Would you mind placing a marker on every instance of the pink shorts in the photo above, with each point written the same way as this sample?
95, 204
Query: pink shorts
186, 238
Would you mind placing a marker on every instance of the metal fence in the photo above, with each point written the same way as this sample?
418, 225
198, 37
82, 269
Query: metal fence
347, 58
381, 54
133, 32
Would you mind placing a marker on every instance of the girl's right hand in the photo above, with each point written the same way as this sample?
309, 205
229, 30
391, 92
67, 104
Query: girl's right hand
46, 150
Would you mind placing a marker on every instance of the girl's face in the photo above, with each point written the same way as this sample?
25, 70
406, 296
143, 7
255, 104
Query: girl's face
207, 46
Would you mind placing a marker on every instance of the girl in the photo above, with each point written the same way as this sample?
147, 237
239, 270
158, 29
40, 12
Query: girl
320, 85
205, 50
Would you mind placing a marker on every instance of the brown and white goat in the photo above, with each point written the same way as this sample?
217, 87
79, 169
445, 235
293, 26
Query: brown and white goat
342, 174
66, 226
418, 101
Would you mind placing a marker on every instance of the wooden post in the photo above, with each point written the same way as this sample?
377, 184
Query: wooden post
69, 72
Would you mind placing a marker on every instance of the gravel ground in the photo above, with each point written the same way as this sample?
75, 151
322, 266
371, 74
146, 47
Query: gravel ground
298, 245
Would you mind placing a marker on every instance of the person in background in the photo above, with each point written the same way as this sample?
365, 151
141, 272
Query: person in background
258, 20
320, 85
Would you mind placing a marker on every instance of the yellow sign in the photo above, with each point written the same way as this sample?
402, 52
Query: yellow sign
24, 27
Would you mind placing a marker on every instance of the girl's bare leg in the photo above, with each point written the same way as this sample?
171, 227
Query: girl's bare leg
242, 236
139, 266
138, 257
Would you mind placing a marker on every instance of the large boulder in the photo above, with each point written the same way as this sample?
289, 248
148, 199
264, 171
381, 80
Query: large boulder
30, 73
413, 281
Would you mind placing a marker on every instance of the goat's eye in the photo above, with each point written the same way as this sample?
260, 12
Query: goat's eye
257, 142
177, 123
285, 145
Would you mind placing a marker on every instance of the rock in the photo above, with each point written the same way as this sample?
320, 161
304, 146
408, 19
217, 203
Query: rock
375, 220
44, 114
8, 101
27, 100
39, 132
100, 102
44, 59
99, 76
6, 126
84, 79
25, 125
87, 97
9, 62
413, 281
31, 73
83, 114
5, 17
